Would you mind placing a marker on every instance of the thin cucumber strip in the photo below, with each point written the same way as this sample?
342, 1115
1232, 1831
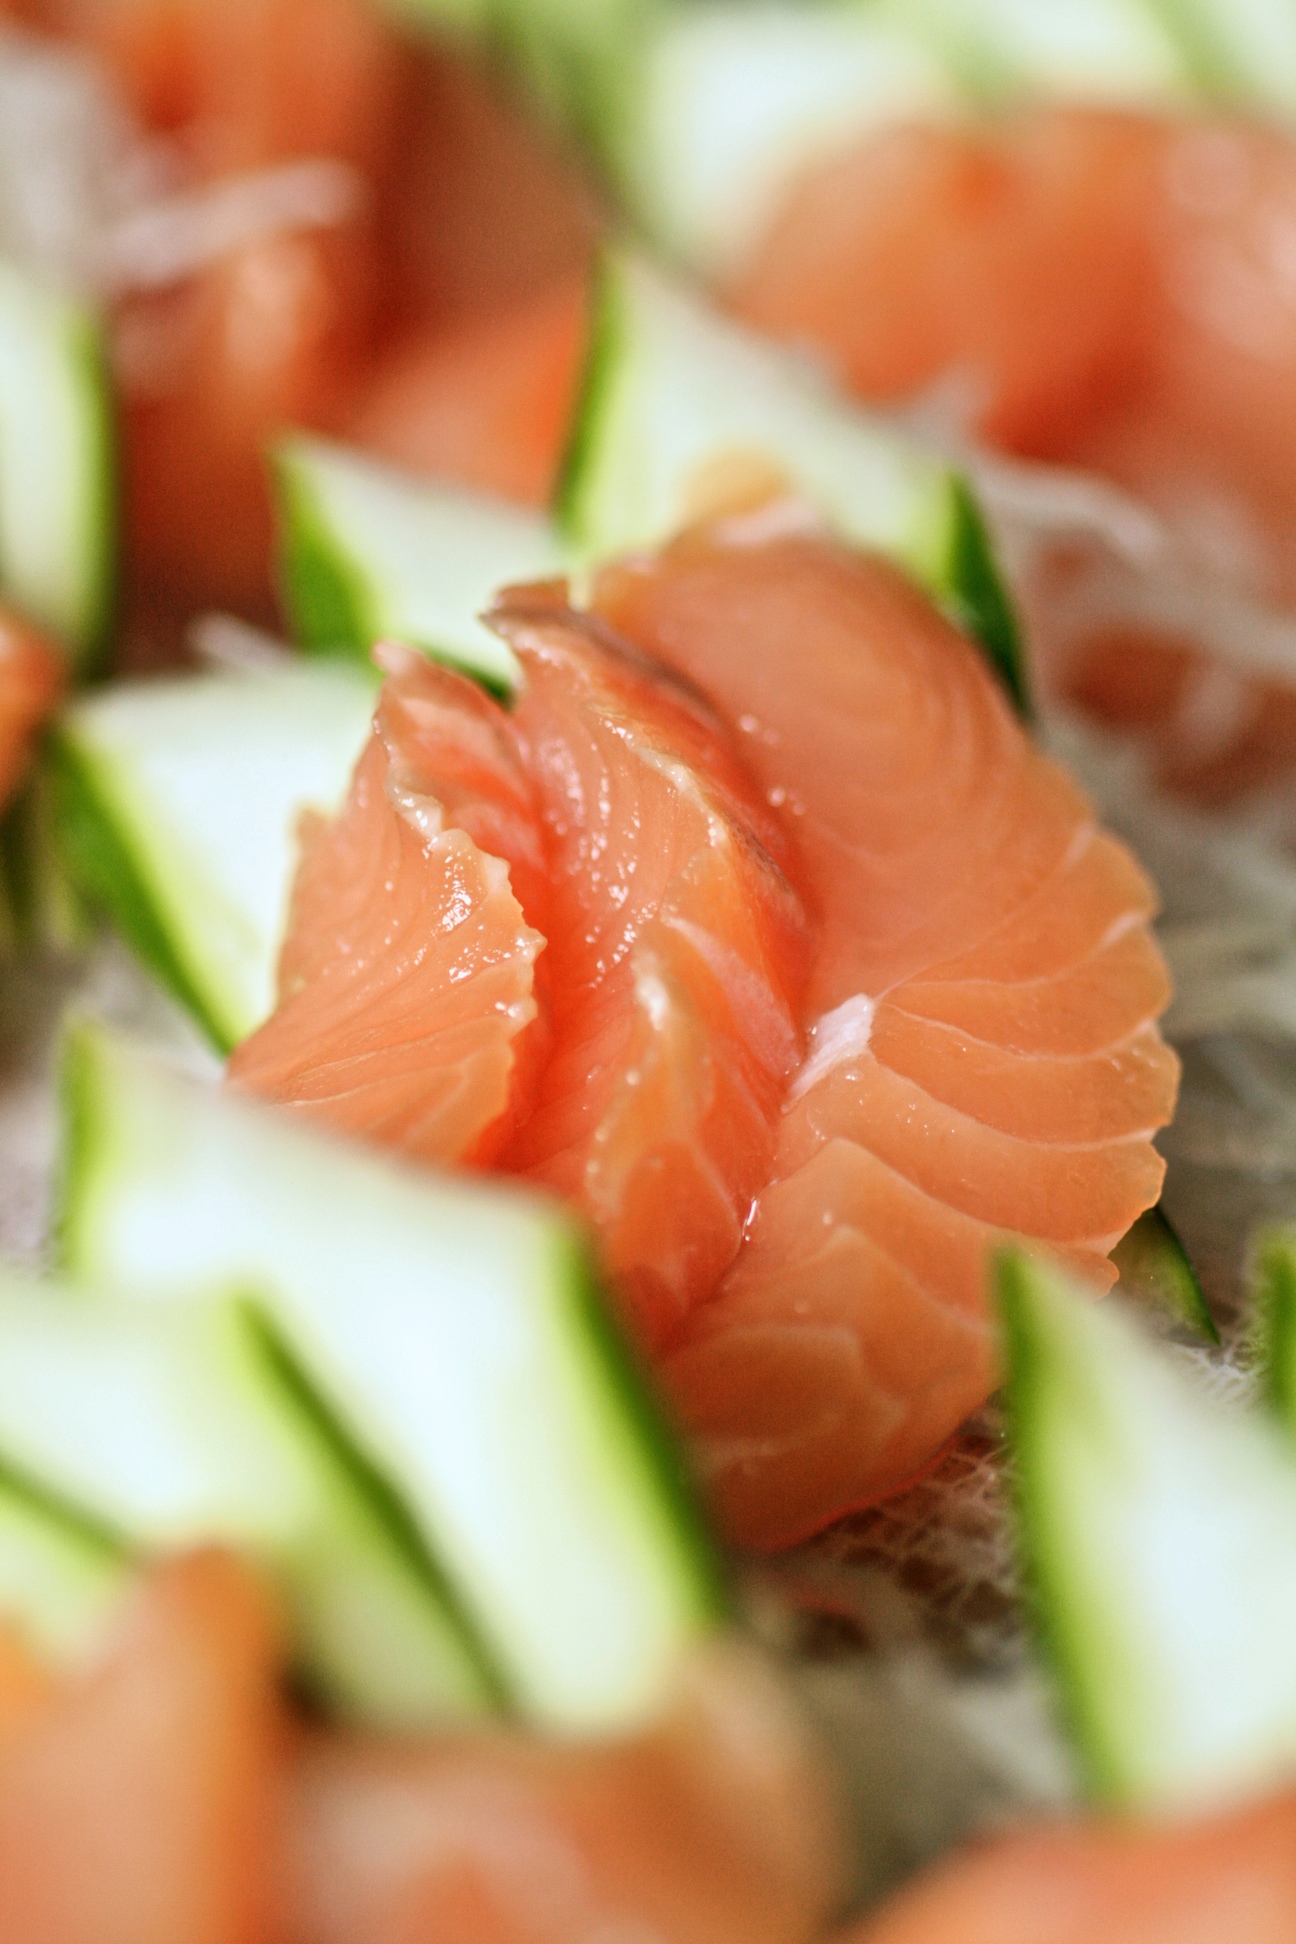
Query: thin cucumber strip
57, 466
1154, 1267
62, 1579
175, 806
453, 1329
366, 552
175, 1425
733, 102
580, 60
685, 413
1158, 1529
46, 914
1275, 1310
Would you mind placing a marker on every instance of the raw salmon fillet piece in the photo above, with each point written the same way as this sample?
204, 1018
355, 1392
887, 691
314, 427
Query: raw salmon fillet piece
138, 1803
486, 404
32, 678
677, 949
1111, 291
1232, 1878
982, 1050
713, 1828
1017, 259
409, 1008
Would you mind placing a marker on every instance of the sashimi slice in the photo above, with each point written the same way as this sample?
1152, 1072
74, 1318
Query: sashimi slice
1110, 291
487, 404
677, 950
1016, 263
713, 1828
982, 1055
1111, 1883
409, 1007
137, 1802
32, 674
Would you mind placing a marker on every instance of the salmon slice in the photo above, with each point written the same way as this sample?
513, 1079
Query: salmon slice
677, 950
1107, 290
487, 404
32, 678
409, 1008
714, 1828
138, 1802
211, 369
1018, 260
1103, 1883
980, 940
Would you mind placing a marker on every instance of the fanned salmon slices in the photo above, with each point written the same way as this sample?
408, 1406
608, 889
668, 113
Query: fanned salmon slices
982, 1052
409, 1009
677, 952
833, 997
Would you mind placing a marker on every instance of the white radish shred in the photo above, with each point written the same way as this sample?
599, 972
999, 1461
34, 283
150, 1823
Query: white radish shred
168, 239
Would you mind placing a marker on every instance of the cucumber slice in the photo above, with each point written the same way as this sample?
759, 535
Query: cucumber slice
366, 551
44, 913
1105, 50
1158, 1529
57, 465
454, 1329
682, 408
1241, 50
733, 101
176, 1425
1275, 1303
176, 803
579, 60
62, 1580
1154, 1267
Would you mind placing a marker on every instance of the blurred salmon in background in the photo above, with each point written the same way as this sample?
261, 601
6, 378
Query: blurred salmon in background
348, 294
167, 1796
1108, 291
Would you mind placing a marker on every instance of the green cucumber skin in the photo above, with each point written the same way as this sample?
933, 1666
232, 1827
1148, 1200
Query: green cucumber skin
63, 1578
1026, 1354
104, 875
977, 600
324, 596
336, 603
286, 1374
667, 1470
607, 330
1275, 1299
102, 1097
1153, 1264
97, 631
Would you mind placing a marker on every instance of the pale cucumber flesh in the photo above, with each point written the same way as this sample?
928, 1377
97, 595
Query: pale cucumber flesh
367, 552
175, 1426
176, 805
1158, 1529
453, 1330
